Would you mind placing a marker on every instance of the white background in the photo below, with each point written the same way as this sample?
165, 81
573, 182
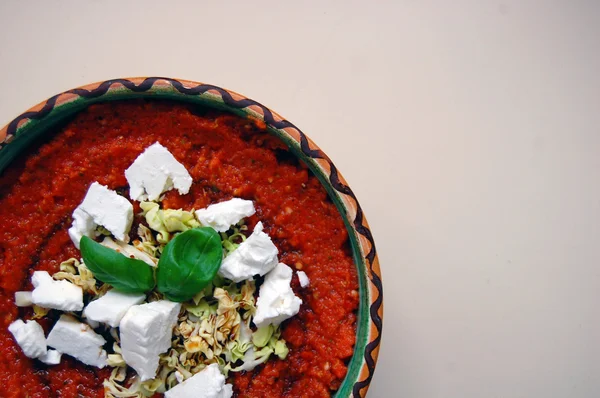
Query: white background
470, 131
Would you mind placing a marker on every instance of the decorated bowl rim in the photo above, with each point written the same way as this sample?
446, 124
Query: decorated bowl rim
21, 131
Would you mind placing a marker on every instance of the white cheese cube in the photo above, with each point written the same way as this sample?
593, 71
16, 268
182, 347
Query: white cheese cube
68, 336
52, 357
59, 295
221, 216
276, 300
40, 277
30, 337
257, 255
83, 225
156, 171
146, 332
128, 251
209, 383
111, 307
23, 299
303, 278
105, 207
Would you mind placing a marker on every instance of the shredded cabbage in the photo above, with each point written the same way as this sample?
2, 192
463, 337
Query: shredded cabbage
146, 243
167, 221
115, 360
39, 312
179, 220
102, 231
233, 240
113, 388
78, 274
262, 336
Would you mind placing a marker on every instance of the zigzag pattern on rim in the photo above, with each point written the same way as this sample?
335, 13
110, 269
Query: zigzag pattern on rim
362, 229
146, 85
338, 183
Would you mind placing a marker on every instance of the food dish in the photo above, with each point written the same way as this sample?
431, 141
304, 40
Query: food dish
229, 181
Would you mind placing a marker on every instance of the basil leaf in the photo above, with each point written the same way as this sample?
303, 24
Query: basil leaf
109, 266
188, 263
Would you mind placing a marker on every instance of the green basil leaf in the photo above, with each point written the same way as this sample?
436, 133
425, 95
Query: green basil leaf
129, 275
188, 263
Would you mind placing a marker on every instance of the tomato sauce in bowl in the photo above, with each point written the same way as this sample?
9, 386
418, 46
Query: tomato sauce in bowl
227, 156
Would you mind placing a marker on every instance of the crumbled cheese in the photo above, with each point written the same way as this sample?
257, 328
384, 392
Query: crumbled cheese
101, 206
23, 299
146, 332
156, 171
52, 357
303, 278
257, 255
83, 225
221, 216
276, 300
209, 383
59, 295
129, 251
68, 336
30, 337
111, 307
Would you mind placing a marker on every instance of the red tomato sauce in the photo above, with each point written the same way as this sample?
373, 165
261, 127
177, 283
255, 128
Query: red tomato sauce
227, 156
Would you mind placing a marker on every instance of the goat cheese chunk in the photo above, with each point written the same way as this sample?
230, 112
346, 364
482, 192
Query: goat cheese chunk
23, 299
129, 251
111, 307
101, 206
221, 216
83, 225
146, 332
59, 295
257, 255
209, 383
303, 278
30, 337
156, 171
276, 300
68, 336
52, 357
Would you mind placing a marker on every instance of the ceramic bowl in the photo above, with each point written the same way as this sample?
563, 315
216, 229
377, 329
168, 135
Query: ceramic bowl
19, 133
